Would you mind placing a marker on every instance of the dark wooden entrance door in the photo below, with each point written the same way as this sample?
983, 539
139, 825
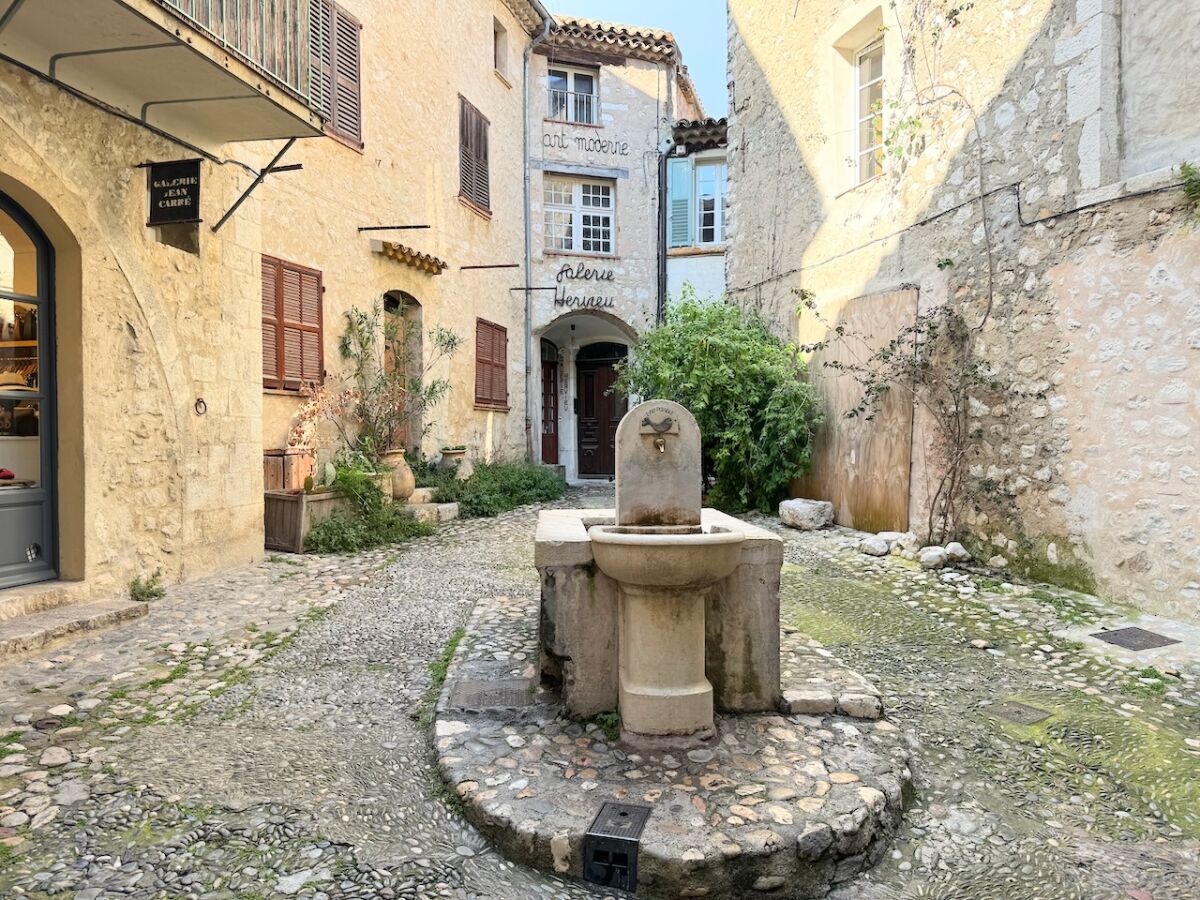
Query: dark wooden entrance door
549, 403
600, 408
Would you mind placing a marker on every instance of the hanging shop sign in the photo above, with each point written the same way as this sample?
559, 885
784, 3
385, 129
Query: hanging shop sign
174, 192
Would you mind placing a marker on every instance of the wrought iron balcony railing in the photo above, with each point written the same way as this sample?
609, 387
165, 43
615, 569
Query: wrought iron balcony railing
572, 106
272, 36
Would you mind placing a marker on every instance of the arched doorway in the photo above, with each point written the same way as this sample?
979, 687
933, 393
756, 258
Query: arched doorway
28, 527
404, 330
600, 407
549, 402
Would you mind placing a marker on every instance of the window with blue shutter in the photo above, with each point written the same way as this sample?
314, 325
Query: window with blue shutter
679, 200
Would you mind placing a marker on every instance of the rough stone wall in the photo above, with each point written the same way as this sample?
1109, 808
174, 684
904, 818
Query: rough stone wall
1083, 472
415, 65
143, 331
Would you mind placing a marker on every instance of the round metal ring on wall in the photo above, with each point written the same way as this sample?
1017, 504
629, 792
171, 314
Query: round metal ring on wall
201, 407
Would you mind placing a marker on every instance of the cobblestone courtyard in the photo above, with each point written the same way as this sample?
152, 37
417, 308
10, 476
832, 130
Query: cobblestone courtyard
265, 734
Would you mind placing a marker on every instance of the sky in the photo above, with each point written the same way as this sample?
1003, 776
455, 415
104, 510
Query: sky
698, 26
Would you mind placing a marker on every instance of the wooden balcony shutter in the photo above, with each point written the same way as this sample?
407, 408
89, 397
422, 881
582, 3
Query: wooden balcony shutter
292, 338
491, 365
473, 155
336, 68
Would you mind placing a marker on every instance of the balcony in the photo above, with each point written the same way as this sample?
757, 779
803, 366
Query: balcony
208, 72
572, 106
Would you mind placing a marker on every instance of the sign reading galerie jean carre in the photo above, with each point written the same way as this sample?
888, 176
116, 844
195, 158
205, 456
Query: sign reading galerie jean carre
174, 192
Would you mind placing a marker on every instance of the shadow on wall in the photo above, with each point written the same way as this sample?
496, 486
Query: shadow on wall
1051, 442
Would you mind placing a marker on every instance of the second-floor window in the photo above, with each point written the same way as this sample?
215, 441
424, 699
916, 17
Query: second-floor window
336, 82
868, 111
573, 96
473, 178
697, 201
711, 202
579, 216
291, 325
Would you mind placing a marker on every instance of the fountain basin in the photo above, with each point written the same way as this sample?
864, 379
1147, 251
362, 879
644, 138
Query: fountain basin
666, 556
664, 576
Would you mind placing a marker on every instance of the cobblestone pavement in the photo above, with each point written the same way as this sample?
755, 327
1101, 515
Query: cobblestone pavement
260, 735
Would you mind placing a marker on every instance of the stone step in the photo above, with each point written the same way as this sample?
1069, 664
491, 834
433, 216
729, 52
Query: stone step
39, 630
421, 496
434, 513
35, 598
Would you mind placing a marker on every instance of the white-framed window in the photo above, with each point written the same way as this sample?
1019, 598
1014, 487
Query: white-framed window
579, 215
572, 95
868, 111
712, 203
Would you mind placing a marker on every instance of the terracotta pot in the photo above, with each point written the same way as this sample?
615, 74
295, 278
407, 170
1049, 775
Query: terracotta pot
403, 480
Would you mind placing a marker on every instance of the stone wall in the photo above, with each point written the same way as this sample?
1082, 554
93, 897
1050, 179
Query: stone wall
407, 173
144, 331
1083, 470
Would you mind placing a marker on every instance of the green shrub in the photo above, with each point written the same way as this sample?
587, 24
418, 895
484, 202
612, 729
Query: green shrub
494, 488
745, 387
369, 522
349, 530
145, 590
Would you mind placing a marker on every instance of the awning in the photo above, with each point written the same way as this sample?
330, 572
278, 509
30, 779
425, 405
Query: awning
425, 262
149, 62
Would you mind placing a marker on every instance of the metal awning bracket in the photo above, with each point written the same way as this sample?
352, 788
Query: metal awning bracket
272, 166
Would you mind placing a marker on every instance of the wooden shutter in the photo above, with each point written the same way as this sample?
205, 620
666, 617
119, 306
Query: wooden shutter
491, 364
679, 211
473, 155
270, 323
335, 77
292, 339
320, 70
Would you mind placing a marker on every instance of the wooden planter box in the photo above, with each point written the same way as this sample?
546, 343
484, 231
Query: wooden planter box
289, 515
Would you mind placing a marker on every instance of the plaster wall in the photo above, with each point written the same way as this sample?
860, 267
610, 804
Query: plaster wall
1087, 316
144, 330
705, 272
414, 69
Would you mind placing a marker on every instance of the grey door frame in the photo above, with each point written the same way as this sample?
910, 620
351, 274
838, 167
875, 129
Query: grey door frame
45, 566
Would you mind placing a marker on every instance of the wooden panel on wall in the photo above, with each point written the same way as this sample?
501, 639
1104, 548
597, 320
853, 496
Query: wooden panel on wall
863, 467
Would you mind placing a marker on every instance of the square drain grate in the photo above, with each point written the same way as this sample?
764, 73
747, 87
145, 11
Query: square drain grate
1135, 638
1020, 713
505, 693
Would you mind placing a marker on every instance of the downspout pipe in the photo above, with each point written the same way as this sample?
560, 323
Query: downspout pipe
547, 27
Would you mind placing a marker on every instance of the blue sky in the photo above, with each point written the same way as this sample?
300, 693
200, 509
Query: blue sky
698, 26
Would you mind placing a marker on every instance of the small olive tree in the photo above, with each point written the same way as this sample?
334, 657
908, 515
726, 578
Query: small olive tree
746, 389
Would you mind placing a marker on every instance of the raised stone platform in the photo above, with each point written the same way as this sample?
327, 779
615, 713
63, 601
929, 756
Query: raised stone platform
776, 805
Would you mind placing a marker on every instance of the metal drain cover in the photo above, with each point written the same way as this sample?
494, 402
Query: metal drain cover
1135, 638
1020, 713
505, 693
610, 845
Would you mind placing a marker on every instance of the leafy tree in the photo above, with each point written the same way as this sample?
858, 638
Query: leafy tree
746, 389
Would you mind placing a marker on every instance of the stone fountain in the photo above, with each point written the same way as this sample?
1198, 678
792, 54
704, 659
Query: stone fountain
719, 784
663, 610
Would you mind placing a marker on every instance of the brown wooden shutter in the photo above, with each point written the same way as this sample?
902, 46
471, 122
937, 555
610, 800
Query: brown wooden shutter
347, 81
473, 155
320, 71
292, 337
270, 323
491, 364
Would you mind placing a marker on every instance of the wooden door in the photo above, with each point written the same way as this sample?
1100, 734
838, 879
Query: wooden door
600, 410
549, 403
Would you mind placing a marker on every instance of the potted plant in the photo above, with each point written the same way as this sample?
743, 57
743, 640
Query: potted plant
385, 389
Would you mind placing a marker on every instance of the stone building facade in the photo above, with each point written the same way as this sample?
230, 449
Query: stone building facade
133, 414
1018, 161
604, 99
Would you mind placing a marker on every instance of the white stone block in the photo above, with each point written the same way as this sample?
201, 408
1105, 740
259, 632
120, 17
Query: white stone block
806, 515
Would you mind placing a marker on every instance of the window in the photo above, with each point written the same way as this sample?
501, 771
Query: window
711, 202
491, 365
500, 48
578, 216
698, 201
335, 82
868, 111
291, 325
572, 95
473, 156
